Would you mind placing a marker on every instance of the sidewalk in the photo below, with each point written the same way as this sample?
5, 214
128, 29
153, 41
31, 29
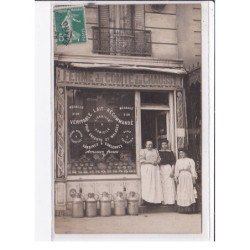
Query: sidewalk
168, 223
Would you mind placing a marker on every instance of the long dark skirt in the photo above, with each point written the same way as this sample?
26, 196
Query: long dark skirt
187, 210
149, 204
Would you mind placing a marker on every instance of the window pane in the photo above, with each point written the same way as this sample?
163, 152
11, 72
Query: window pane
154, 98
101, 132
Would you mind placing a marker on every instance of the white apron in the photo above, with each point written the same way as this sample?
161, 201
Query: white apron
184, 172
150, 178
168, 185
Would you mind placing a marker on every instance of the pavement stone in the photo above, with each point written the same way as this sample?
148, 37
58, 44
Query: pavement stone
150, 223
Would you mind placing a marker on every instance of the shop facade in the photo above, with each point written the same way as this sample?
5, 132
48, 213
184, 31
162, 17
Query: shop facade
113, 93
103, 118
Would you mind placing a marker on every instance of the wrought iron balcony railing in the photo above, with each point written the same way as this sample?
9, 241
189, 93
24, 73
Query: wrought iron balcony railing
113, 41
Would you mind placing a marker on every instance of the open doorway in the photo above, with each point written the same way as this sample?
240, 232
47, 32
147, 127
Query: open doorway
154, 126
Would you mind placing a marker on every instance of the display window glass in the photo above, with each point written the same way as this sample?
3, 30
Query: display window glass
101, 132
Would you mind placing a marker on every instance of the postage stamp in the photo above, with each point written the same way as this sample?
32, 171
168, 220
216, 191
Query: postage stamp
70, 25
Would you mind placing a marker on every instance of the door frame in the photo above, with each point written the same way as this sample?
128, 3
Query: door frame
167, 117
170, 110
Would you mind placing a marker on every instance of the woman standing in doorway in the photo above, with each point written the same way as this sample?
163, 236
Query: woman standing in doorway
185, 176
167, 173
150, 174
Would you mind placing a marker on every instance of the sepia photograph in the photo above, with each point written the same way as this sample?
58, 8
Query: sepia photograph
122, 127
128, 118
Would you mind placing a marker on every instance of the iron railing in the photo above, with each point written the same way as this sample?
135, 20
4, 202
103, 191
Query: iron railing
113, 41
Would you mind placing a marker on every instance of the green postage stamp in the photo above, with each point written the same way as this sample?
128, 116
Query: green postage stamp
70, 25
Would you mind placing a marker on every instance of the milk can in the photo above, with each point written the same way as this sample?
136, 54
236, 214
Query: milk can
105, 204
119, 203
133, 203
91, 205
78, 206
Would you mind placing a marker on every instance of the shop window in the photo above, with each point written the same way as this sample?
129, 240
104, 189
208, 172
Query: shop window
101, 132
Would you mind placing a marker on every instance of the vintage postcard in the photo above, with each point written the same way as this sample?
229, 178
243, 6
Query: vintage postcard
131, 131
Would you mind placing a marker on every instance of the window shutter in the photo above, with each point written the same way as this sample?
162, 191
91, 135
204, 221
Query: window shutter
139, 17
103, 34
140, 37
104, 16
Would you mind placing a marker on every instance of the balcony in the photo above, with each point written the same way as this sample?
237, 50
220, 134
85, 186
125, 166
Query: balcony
114, 41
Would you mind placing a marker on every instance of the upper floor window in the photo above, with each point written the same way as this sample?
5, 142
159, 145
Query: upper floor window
121, 31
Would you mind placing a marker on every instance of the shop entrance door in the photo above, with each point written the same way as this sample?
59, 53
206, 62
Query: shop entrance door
155, 126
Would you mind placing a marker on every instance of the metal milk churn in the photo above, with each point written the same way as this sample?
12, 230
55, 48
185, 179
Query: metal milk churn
119, 204
105, 204
78, 206
133, 203
91, 205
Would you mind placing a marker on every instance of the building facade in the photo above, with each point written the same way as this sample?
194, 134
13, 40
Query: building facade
125, 85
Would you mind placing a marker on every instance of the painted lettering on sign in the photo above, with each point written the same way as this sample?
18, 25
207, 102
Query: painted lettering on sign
119, 79
101, 129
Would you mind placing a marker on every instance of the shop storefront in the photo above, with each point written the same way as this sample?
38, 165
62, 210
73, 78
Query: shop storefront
103, 116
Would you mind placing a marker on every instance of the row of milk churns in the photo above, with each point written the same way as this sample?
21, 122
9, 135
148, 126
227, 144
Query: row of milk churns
105, 202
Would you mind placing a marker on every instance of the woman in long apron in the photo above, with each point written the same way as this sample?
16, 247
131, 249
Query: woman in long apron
185, 175
167, 174
150, 174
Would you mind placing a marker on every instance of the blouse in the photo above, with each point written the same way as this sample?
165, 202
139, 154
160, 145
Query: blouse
149, 156
185, 164
167, 157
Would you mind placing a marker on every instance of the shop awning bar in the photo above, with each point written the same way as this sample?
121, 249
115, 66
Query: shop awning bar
178, 71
